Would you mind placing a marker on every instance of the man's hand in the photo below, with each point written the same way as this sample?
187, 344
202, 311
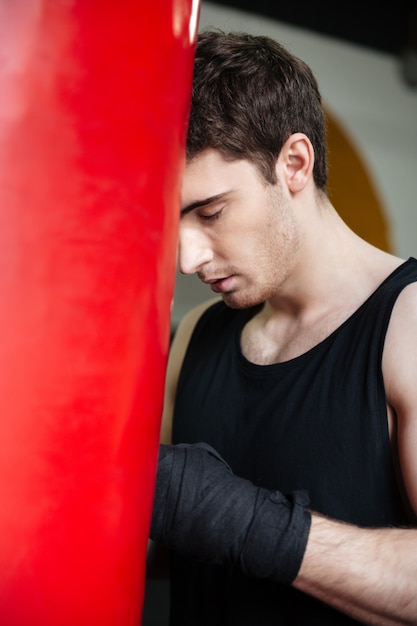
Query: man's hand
203, 510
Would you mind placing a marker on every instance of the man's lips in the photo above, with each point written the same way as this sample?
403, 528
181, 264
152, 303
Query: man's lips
219, 285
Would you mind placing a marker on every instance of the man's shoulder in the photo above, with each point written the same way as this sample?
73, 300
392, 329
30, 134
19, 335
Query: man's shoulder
191, 318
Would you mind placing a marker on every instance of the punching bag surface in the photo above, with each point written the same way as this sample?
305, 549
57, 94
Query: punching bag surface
94, 99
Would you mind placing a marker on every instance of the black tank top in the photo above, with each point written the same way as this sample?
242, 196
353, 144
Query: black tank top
315, 422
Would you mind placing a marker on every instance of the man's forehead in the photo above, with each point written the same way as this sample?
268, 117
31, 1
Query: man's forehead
210, 174
203, 176
209, 158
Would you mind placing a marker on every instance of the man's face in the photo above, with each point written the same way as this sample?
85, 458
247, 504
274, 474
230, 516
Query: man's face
236, 232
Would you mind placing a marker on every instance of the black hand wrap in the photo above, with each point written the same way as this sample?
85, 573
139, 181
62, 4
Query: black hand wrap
203, 510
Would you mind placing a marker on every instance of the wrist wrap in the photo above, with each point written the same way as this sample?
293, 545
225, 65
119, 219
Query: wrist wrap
203, 510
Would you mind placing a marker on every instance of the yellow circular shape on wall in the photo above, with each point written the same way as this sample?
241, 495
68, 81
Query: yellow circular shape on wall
351, 189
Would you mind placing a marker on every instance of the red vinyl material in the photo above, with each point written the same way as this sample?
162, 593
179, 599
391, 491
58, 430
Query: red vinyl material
94, 99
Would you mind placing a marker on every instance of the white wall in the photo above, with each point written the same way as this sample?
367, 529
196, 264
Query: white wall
365, 92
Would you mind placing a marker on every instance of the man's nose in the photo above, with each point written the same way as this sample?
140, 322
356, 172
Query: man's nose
194, 250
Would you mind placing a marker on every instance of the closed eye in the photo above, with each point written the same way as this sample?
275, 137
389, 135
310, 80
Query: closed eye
205, 204
210, 218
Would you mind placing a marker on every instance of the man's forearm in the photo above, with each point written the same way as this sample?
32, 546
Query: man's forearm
369, 574
203, 510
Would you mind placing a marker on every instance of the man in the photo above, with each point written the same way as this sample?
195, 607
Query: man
299, 379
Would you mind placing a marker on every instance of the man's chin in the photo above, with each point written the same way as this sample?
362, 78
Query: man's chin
239, 301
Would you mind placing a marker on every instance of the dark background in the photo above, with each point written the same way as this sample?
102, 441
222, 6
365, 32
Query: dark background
389, 28
376, 25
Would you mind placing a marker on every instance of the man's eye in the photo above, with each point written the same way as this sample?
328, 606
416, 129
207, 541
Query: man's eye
212, 217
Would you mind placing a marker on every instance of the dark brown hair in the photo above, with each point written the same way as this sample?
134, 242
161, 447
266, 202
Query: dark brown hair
249, 95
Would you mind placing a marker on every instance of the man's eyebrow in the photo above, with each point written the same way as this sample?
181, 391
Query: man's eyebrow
200, 203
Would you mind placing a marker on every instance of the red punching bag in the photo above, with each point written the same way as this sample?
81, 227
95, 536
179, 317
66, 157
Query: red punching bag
94, 99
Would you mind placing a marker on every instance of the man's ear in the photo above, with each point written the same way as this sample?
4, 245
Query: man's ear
297, 160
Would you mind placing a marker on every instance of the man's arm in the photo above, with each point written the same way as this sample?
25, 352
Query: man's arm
399, 366
157, 555
203, 510
176, 356
369, 574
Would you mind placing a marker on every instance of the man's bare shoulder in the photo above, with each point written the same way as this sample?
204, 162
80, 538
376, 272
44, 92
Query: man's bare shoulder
176, 356
187, 324
401, 337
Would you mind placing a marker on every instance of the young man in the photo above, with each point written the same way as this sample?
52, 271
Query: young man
300, 378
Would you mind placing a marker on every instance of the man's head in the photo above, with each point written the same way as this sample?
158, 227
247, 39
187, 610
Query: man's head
249, 95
